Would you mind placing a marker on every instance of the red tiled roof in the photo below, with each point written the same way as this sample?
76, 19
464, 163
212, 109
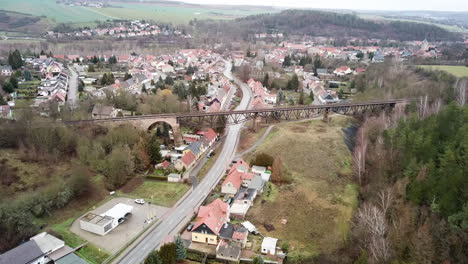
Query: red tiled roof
239, 235
165, 164
213, 215
235, 178
188, 158
210, 134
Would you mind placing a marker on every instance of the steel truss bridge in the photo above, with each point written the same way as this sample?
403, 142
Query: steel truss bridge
268, 114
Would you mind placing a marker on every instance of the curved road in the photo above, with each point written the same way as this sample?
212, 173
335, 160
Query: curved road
182, 213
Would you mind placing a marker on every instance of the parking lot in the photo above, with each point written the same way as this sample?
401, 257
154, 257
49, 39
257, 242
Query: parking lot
126, 231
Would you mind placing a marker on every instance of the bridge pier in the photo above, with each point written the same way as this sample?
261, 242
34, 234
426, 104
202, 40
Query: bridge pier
325, 115
177, 134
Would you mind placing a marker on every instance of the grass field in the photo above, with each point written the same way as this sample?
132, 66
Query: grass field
458, 71
89, 252
319, 203
159, 192
166, 13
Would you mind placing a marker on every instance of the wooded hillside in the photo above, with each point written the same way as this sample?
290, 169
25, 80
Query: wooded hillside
327, 24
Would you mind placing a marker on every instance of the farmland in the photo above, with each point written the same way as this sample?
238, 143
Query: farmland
177, 13
319, 202
458, 71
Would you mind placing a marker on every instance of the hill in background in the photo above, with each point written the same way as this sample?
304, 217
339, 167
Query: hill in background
327, 24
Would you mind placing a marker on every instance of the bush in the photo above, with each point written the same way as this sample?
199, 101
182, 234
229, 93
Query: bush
263, 159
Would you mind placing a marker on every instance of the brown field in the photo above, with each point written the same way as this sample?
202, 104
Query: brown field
320, 201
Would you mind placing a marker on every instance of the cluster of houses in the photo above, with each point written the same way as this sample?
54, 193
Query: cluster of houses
94, 4
261, 95
122, 30
148, 70
41, 249
213, 223
54, 81
197, 145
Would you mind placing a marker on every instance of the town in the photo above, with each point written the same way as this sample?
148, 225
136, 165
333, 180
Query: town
269, 148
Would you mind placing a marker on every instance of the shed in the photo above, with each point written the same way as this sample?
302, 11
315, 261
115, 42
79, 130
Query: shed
269, 245
249, 226
174, 177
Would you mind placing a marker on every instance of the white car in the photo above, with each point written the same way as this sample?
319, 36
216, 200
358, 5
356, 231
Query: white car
139, 201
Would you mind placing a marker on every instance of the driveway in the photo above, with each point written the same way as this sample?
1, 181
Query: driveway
126, 231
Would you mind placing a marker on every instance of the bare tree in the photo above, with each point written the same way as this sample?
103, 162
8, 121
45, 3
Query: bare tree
385, 200
373, 219
379, 248
461, 92
360, 150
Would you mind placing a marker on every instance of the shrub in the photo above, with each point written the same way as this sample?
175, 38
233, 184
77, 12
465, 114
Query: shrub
263, 159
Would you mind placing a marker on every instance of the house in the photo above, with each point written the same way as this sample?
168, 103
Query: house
269, 246
210, 135
243, 200
232, 183
210, 220
103, 111
228, 250
6, 70
257, 183
174, 177
41, 248
26, 253
186, 162
196, 148
5, 111
342, 71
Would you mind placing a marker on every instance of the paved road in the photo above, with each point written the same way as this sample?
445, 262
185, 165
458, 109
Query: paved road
188, 206
72, 94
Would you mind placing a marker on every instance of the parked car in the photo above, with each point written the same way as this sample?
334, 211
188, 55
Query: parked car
211, 153
189, 227
139, 201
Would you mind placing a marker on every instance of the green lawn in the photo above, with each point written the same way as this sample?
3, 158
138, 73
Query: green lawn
458, 71
159, 192
89, 252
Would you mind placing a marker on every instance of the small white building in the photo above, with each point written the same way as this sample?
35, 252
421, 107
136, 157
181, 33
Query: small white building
104, 223
174, 177
249, 226
269, 246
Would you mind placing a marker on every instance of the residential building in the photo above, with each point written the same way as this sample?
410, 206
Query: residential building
210, 220
6, 70
269, 246
104, 111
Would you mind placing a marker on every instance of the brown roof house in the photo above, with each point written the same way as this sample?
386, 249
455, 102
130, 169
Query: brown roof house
104, 111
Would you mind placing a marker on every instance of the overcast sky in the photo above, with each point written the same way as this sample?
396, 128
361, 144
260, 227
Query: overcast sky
438, 5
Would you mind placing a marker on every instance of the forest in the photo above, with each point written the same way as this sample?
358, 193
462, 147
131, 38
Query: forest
326, 24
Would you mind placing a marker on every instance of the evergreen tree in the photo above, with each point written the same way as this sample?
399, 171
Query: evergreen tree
168, 253
280, 96
287, 61
169, 80
181, 251
154, 150
293, 83
266, 81
301, 97
8, 87
153, 258
27, 75
113, 59
127, 76
15, 59
311, 96
143, 88
14, 82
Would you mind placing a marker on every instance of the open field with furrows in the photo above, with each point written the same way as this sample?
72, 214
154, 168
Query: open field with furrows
458, 71
176, 13
319, 202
